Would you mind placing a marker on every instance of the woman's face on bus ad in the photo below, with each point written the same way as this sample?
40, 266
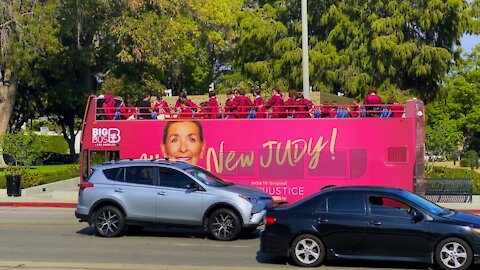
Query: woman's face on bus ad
183, 142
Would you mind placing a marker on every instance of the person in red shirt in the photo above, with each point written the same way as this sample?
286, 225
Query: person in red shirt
160, 105
189, 102
243, 103
373, 99
395, 108
108, 106
277, 104
129, 112
333, 110
290, 104
212, 106
184, 111
258, 105
355, 111
326, 109
230, 106
303, 106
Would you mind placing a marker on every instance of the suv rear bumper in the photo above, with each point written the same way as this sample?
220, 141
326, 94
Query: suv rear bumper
82, 217
257, 218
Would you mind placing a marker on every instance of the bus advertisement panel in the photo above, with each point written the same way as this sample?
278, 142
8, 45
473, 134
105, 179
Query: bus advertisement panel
288, 158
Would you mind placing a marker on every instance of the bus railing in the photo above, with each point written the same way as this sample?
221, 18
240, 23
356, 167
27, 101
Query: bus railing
224, 112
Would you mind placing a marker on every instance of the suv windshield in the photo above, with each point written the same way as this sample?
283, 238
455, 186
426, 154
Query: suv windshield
207, 177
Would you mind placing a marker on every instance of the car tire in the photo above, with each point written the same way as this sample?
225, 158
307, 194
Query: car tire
109, 221
307, 250
224, 225
453, 254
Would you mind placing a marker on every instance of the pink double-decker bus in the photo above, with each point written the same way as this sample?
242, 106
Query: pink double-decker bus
289, 158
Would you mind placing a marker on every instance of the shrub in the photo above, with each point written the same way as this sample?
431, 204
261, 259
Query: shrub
29, 178
443, 172
55, 144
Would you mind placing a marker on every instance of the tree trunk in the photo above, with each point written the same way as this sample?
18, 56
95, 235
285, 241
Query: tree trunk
68, 131
7, 103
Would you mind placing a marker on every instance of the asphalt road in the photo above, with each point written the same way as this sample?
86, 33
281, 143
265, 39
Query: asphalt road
50, 238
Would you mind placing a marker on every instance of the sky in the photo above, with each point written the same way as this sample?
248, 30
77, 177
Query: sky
469, 42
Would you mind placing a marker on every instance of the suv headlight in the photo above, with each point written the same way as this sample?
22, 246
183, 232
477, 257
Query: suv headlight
250, 199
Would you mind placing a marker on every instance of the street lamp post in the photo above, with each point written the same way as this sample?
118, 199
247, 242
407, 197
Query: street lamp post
306, 83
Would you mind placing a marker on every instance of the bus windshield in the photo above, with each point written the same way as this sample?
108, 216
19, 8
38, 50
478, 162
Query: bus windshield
207, 177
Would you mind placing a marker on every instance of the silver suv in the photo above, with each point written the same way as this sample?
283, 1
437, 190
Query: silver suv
143, 193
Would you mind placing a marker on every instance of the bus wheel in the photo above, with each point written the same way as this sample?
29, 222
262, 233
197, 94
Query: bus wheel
224, 225
109, 221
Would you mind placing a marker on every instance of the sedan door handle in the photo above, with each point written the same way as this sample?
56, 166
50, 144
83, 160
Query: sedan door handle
375, 223
119, 190
162, 193
322, 220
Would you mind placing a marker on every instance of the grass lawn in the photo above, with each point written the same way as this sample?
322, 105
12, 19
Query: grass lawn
49, 173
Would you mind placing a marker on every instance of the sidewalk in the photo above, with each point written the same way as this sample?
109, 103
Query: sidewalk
63, 194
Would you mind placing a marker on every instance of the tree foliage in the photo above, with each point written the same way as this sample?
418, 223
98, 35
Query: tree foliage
353, 44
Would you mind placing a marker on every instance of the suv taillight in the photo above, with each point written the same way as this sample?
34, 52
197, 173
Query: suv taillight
84, 185
269, 221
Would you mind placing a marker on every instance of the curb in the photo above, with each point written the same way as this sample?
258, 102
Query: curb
39, 204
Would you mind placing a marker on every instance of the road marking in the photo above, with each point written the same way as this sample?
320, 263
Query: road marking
203, 245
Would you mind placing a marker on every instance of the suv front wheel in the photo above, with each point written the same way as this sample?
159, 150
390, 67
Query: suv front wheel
224, 225
109, 221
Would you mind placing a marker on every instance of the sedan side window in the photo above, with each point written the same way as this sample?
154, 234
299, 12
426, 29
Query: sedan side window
346, 203
139, 175
173, 178
385, 206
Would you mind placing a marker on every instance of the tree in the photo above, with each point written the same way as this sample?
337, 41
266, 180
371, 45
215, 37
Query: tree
406, 44
442, 139
461, 99
28, 31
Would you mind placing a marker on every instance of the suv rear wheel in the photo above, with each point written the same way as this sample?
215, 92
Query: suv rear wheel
109, 221
224, 224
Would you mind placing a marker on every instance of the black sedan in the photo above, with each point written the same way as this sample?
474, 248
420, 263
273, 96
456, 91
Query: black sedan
371, 223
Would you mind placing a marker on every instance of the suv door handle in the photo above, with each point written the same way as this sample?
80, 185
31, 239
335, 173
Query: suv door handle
119, 190
162, 193
375, 223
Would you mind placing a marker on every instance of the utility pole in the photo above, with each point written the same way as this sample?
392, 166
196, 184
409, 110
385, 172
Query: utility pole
306, 83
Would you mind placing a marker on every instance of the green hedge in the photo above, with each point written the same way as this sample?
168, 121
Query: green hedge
443, 172
56, 144
40, 175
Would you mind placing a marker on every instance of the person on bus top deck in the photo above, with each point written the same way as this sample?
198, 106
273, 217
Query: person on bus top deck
184, 111
159, 105
243, 103
355, 110
326, 108
230, 107
258, 104
212, 106
303, 106
128, 110
144, 108
277, 104
190, 103
290, 105
333, 109
372, 99
108, 105
183, 140
395, 108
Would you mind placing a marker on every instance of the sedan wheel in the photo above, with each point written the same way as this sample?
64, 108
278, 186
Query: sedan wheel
109, 221
224, 225
307, 250
453, 253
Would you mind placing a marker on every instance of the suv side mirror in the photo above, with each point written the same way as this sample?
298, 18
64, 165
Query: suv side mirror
417, 215
191, 187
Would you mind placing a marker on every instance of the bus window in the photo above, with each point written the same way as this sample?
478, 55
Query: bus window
85, 165
97, 157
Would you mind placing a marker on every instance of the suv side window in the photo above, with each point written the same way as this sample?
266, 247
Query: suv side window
173, 178
346, 203
115, 174
142, 175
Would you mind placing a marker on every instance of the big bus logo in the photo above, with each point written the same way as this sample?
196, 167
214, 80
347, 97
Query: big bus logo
105, 136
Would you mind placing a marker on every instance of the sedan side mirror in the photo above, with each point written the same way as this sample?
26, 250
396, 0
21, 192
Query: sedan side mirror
417, 215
